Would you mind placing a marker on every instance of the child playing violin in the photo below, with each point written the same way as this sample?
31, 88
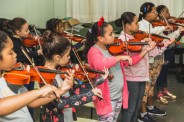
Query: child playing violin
56, 50
136, 75
115, 91
57, 26
14, 106
20, 30
147, 16
164, 14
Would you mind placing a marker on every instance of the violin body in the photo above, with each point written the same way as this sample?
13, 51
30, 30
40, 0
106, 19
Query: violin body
157, 38
20, 76
141, 36
123, 46
75, 37
30, 41
161, 23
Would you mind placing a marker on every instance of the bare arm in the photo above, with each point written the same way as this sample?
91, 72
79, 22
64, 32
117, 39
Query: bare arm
11, 104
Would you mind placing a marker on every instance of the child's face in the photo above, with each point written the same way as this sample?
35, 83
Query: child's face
134, 26
8, 56
60, 28
166, 13
153, 14
108, 35
63, 60
24, 31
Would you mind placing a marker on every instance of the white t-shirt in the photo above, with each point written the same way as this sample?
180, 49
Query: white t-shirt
21, 115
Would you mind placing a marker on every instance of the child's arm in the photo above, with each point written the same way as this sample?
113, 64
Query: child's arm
98, 61
158, 29
76, 100
65, 86
11, 104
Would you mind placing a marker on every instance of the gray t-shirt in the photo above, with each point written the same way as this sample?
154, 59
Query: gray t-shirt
117, 83
67, 111
21, 115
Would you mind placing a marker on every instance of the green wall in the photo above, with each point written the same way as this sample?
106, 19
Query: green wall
39, 11
34, 11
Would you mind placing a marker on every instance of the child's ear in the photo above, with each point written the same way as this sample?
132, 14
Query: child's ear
100, 38
128, 26
56, 57
17, 32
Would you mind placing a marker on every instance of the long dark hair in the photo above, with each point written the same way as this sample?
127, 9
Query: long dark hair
145, 9
15, 24
160, 9
91, 37
54, 45
3, 41
126, 17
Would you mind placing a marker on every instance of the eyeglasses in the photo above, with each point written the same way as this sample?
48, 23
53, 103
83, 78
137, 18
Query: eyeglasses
154, 12
60, 27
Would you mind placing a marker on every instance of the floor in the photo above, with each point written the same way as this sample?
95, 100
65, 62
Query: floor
175, 109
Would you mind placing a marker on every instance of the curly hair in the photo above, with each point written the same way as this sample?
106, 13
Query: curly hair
52, 24
3, 41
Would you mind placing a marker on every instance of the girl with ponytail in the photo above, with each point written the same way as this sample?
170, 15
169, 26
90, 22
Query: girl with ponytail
138, 74
115, 91
148, 14
56, 50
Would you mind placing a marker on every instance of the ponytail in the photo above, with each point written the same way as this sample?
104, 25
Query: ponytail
145, 9
98, 29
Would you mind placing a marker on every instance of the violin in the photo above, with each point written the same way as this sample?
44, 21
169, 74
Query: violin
178, 20
73, 37
119, 47
161, 23
24, 74
79, 73
30, 41
155, 37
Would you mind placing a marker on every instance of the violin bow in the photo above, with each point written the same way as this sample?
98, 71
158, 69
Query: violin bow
37, 35
126, 42
149, 31
33, 64
180, 15
164, 19
81, 64
85, 72
36, 69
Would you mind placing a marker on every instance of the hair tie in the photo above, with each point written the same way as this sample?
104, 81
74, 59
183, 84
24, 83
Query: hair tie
144, 9
100, 23
90, 30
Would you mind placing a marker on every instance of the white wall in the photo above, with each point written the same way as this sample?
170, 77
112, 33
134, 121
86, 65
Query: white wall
178, 7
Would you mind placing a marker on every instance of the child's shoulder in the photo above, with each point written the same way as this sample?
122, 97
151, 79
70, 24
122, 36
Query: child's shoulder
94, 49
